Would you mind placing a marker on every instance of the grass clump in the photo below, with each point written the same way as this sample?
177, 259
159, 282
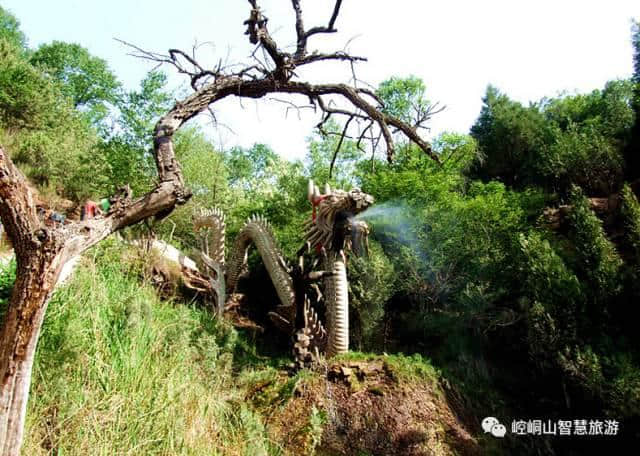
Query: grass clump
118, 371
403, 367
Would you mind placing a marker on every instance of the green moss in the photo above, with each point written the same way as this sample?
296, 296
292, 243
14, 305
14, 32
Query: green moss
402, 367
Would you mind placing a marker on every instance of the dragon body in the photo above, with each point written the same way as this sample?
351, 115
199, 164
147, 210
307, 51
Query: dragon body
331, 231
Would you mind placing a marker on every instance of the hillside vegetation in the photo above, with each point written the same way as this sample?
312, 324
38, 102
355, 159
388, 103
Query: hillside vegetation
120, 371
503, 283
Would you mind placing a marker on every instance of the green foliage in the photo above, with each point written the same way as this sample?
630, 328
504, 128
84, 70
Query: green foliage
205, 174
459, 267
317, 420
556, 143
127, 149
251, 169
583, 157
553, 296
322, 149
401, 366
203, 166
7, 279
52, 108
404, 98
595, 256
141, 108
416, 367
85, 79
625, 387
457, 151
606, 111
261, 182
547, 277
10, 30
371, 281
583, 366
587, 134
48, 139
508, 136
456, 233
630, 214
27, 98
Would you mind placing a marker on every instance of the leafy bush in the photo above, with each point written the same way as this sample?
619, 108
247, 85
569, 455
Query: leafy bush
86, 80
10, 30
630, 214
595, 256
49, 140
371, 284
509, 136
27, 98
557, 142
583, 157
554, 297
625, 387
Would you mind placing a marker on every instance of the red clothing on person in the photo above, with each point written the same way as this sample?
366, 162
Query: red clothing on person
90, 209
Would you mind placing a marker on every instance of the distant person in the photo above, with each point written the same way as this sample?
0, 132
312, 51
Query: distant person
89, 210
57, 218
105, 204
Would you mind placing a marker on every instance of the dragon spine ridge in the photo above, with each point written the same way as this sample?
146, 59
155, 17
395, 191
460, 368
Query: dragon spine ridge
331, 230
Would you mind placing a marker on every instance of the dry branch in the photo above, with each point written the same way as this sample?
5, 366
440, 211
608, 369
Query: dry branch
41, 251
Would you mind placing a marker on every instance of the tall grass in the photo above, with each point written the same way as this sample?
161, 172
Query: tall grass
119, 371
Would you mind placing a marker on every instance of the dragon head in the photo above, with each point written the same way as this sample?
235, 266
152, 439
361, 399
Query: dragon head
333, 225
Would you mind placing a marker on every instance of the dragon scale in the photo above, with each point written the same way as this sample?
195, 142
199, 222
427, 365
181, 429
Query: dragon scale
337, 302
258, 232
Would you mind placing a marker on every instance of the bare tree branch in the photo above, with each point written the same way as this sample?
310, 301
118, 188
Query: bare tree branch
303, 35
41, 250
335, 153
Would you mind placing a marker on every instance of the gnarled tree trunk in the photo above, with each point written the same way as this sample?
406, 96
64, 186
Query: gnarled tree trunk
41, 251
35, 281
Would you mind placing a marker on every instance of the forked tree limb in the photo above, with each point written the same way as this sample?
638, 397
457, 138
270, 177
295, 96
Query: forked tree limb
256, 81
41, 250
304, 35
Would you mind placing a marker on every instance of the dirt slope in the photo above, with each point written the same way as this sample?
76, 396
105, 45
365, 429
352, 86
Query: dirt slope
371, 407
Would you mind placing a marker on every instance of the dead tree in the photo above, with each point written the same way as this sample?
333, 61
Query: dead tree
41, 251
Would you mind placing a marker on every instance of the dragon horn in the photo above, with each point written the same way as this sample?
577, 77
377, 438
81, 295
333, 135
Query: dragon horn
327, 189
310, 190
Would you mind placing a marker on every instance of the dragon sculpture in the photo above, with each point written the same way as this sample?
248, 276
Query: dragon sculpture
332, 230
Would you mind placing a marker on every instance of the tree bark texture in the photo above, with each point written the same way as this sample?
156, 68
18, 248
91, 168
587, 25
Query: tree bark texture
42, 251
34, 283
